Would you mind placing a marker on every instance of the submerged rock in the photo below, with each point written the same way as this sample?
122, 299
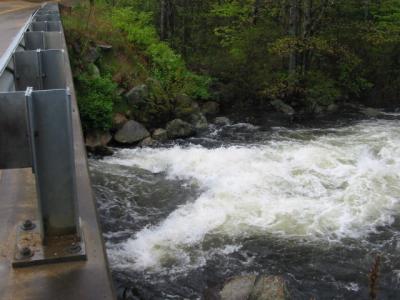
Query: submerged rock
179, 129
210, 108
238, 288
160, 134
270, 287
131, 132
282, 107
253, 287
222, 121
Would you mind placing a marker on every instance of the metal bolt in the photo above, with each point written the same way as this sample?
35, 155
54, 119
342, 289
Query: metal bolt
74, 248
26, 252
28, 225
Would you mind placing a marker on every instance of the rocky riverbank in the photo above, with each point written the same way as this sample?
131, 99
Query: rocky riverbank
128, 132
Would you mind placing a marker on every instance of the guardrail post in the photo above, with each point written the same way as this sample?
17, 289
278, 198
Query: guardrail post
36, 132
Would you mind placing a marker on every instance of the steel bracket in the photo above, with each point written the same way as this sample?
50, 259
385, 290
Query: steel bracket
29, 249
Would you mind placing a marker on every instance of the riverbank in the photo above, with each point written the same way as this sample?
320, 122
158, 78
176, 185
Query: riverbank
129, 133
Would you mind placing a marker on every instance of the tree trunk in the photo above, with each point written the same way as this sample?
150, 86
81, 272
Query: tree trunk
256, 11
162, 19
366, 9
307, 7
293, 32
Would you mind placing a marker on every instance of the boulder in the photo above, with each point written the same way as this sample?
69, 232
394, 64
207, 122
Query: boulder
282, 107
332, 108
160, 134
92, 55
238, 288
104, 47
253, 287
371, 112
119, 120
185, 107
270, 287
101, 151
318, 109
132, 132
210, 108
199, 121
96, 143
222, 121
147, 142
97, 138
93, 70
137, 94
179, 129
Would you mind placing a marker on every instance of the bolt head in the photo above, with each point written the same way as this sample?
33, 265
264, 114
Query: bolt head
26, 252
74, 248
28, 225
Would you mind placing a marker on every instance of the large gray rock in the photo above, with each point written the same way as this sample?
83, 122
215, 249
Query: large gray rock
179, 129
199, 121
137, 94
253, 287
160, 134
210, 108
282, 107
132, 132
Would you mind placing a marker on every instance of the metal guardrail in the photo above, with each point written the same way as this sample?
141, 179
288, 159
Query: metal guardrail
27, 196
36, 132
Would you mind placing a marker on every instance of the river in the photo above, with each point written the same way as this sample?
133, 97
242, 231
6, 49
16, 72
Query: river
313, 204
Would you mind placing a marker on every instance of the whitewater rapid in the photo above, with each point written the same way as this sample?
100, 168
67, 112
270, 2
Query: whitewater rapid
304, 185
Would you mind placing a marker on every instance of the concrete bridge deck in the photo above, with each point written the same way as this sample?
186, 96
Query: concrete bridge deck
18, 201
13, 16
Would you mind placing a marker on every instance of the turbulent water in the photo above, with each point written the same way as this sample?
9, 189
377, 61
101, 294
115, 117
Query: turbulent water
313, 205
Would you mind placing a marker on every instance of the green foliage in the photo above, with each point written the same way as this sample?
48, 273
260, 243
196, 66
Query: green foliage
96, 99
321, 91
166, 66
343, 50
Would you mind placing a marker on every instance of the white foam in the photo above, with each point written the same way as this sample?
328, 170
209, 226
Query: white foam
335, 186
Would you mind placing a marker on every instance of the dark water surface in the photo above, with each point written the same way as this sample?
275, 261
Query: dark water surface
315, 205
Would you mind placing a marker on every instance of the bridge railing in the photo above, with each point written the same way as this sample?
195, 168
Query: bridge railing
36, 132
